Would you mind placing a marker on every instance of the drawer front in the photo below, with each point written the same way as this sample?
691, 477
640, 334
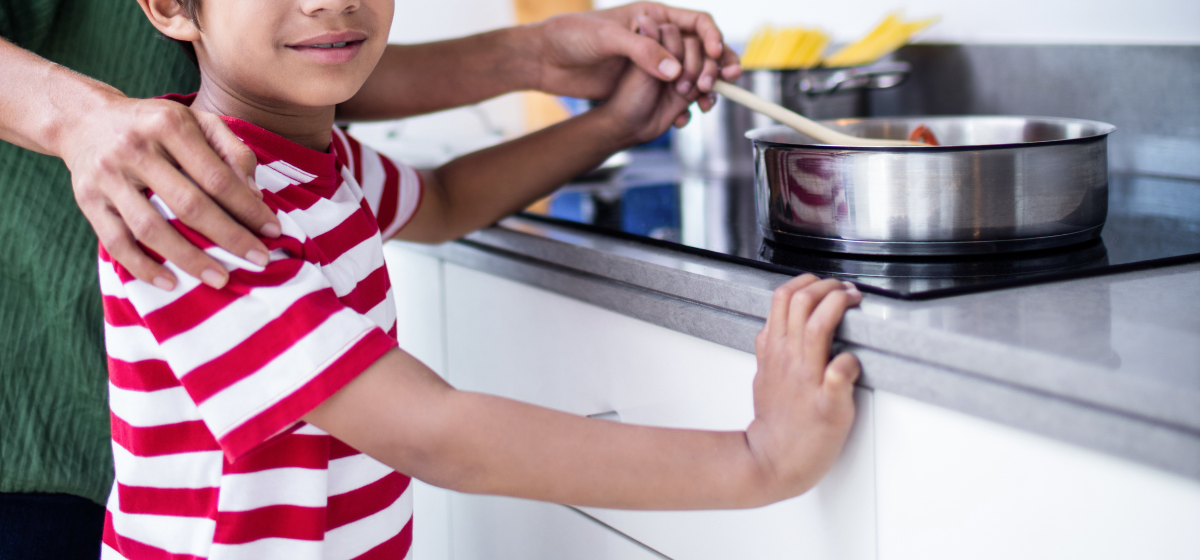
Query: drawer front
492, 527
521, 342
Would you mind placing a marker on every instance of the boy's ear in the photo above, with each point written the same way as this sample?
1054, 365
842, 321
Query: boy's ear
169, 17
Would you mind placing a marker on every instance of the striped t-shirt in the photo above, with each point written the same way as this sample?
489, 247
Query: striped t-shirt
207, 387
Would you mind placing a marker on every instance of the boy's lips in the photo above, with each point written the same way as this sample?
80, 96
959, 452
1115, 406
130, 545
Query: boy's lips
331, 48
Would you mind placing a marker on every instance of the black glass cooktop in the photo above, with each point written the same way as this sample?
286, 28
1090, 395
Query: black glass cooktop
1152, 221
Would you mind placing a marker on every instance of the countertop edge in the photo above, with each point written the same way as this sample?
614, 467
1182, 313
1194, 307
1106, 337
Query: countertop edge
747, 291
1087, 424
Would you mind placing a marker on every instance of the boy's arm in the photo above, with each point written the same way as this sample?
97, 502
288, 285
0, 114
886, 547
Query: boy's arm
473, 191
402, 414
578, 55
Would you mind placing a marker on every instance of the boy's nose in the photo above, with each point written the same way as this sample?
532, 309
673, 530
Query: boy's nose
314, 7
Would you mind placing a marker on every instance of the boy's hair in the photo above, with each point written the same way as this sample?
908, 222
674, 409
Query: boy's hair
191, 8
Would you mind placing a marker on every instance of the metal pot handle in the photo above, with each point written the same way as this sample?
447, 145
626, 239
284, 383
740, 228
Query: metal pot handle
882, 75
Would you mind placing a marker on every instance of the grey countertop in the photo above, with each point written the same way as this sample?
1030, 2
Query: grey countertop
1110, 362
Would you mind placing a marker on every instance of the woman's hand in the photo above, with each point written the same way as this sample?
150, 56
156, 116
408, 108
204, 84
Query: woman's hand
584, 54
642, 107
188, 158
803, 401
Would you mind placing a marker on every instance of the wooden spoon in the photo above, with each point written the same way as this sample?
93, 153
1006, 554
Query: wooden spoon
798, 122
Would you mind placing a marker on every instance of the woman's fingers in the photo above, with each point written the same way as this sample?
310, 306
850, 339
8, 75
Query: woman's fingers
221, 166
649, 28
196, 210
150, 228
691, 22
121, 246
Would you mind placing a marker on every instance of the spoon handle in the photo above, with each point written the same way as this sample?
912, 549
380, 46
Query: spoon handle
798, 122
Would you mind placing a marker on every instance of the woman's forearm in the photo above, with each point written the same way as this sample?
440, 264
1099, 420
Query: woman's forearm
423, 78
40, 99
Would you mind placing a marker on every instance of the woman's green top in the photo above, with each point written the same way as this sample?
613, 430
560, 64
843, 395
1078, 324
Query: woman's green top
53, 379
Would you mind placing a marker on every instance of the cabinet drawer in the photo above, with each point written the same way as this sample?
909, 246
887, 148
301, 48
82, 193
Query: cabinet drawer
521, 342
491, 527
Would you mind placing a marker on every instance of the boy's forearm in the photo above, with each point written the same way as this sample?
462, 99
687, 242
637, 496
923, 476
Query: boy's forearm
40, 99
569, 459
416, 79
403, 415
476, 190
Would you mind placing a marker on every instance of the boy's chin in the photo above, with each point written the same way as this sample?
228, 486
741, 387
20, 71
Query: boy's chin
321, 96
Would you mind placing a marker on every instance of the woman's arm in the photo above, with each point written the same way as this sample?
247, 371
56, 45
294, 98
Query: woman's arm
117, 147
577, 55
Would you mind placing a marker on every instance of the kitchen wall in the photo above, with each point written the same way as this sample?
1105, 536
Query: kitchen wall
430, 140
976, 59
987, 21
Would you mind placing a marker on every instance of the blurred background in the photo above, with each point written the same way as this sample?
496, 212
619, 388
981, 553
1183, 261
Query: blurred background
432, 139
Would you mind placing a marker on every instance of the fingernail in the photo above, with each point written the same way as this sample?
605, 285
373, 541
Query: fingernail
164, 283
213, 278
271, 229
258, 257
668, 68
683, 87
850, 287
705, 83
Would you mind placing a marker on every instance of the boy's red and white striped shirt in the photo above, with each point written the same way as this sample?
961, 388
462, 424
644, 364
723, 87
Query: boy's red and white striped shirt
207, 387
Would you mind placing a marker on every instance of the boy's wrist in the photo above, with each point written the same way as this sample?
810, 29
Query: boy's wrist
611, 131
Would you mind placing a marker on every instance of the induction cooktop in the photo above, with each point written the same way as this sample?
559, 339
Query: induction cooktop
1152, 221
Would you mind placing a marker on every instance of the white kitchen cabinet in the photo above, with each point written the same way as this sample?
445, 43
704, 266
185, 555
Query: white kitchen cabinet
417, 288
953, 486
496, 528
514, 340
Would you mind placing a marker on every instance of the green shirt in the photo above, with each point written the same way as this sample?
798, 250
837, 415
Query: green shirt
54, 434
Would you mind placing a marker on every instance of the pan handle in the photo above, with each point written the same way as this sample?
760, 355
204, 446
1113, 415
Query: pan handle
882, 75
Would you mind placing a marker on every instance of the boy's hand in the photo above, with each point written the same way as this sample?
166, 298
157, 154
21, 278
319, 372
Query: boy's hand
803, 402
642, 107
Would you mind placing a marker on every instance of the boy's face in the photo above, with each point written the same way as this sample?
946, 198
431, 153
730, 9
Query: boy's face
282, 53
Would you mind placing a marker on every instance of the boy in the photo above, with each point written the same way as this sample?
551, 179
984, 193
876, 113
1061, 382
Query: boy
273, 418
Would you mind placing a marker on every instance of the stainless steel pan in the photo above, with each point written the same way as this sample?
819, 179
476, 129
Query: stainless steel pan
997, 184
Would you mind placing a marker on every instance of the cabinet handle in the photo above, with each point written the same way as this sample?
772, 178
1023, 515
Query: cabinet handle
611, 416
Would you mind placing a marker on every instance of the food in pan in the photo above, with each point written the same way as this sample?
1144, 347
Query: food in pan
923, 134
